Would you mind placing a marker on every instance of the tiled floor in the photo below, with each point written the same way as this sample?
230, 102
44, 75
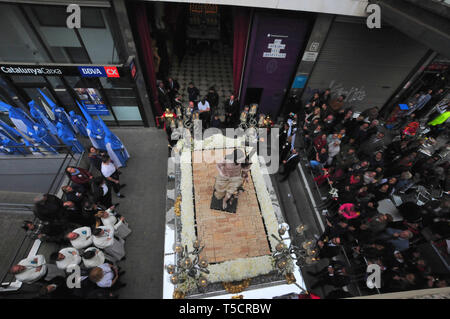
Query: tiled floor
227, 236
206, 69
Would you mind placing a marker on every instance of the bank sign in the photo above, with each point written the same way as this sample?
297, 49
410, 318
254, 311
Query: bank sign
98, 71
29, 70
62, 70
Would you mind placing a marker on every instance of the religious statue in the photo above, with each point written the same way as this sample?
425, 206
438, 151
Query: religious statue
233, 173
253, 110
156, 57
169, 119
268, 122
178, 111
261, 120
243, 118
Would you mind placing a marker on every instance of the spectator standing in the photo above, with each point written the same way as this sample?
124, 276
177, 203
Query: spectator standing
111, 174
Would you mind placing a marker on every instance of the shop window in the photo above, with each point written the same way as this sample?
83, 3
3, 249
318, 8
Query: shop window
63, 95
99, 42
122, 98
77, 55
56, 16
18, 42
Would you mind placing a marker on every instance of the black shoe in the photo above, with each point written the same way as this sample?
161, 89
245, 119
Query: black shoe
116, 205
121, 196
122, 186
124, 258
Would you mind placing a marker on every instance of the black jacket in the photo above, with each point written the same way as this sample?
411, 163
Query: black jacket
49, 209
232, 108
291, 163
193, 93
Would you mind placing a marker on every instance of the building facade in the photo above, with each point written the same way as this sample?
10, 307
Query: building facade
92, 64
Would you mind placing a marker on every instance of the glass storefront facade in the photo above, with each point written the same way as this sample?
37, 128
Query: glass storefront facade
38, 34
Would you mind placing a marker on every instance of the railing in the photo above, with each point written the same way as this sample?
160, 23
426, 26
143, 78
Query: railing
57, 180
26, 240
62, 148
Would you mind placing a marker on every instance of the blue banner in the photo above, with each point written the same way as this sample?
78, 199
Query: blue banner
92, 71
97, 109
299, 82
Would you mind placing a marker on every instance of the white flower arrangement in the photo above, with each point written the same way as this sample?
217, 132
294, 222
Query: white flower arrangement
241, 268
267, 210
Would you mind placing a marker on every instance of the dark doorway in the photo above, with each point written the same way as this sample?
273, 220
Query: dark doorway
253, 95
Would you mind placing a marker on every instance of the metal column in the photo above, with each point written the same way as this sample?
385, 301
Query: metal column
126, 35
315, 43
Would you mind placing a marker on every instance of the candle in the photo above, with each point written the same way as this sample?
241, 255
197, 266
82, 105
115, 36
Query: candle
202, 282
187, 262
170, 269
196, 244
178, 248
300, 229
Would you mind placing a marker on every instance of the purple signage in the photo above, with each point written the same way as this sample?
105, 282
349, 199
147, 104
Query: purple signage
274, 48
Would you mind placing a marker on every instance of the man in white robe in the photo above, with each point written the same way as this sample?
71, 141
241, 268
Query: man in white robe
103, 238
93, 257
80, 238
67, 257
109, 218
30, 270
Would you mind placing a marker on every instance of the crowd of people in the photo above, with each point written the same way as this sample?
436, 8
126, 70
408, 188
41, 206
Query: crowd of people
207, 106
86, 225
361, 160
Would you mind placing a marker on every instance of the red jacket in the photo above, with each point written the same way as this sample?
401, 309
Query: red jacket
82, 177
319, 143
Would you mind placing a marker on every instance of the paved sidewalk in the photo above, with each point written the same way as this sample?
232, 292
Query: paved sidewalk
144, 209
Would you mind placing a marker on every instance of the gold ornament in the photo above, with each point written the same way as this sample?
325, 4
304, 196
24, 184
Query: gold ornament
237, 297
178, 294
202, 282
290, 278
177, 206
236, 288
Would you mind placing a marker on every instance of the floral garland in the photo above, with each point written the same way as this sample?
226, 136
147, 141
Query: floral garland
241, 268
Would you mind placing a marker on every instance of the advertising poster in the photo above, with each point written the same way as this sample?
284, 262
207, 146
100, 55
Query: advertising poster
93, 101
274, 48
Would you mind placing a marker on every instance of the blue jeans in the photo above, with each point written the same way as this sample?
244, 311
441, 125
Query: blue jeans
315, 164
